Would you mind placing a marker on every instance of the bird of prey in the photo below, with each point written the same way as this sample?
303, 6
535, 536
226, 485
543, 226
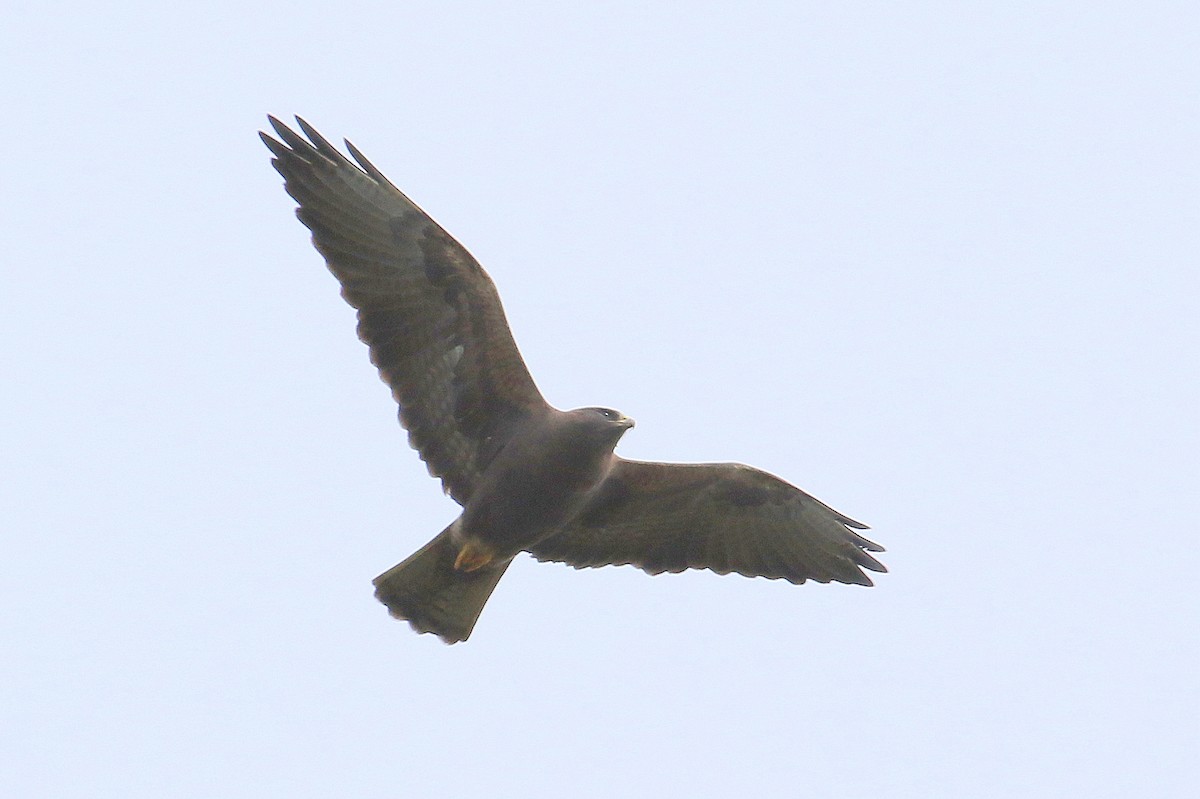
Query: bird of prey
530, 478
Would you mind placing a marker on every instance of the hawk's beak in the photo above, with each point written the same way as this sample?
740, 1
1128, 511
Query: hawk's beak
626, 422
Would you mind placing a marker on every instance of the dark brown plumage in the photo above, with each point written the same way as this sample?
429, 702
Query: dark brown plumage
529, 477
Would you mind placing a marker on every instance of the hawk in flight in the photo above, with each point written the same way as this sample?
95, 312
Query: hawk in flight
529, 477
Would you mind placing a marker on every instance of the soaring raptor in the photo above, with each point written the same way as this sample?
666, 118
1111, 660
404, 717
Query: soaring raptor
529, 477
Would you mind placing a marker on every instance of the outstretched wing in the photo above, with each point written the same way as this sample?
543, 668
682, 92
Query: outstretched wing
426, 309
667, 517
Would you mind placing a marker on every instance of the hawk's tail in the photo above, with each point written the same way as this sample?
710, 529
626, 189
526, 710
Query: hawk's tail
434, 597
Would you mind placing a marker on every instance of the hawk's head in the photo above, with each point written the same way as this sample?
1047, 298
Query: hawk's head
603, 424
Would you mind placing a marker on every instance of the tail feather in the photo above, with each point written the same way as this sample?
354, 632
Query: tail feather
431, 595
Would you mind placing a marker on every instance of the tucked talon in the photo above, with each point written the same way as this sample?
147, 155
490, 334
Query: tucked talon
473, 556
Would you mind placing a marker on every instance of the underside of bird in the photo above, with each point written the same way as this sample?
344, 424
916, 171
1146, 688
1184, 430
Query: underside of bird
528, 476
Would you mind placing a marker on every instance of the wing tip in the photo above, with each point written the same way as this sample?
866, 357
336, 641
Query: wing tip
291, 146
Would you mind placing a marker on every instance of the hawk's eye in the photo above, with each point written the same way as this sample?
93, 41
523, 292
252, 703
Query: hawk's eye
607, 414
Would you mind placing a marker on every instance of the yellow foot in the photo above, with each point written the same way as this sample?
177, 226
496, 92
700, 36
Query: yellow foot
473, 555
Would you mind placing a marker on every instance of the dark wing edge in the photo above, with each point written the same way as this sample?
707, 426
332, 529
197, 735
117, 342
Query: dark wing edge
723, 517
427, 310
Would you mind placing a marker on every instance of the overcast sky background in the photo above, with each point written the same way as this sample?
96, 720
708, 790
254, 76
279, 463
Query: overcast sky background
934, 262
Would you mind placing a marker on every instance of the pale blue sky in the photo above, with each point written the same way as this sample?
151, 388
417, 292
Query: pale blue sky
936, 263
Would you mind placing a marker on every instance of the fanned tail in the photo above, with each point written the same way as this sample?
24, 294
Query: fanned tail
431, 595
